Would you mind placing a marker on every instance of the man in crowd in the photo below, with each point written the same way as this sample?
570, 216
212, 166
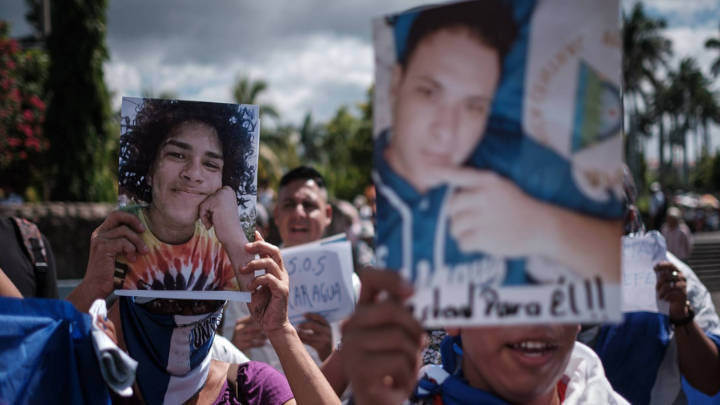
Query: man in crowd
537, 364
646, 355
677, 234
302, 213
658, 206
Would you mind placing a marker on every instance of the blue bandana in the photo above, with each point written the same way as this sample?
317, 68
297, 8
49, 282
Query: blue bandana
173, 351
449, 384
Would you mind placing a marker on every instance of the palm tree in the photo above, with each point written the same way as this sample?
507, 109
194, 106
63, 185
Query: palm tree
311, 138
660, 107
709, 111
714, 44
645, 51
247, 91
148, 92
276, 147
693, 106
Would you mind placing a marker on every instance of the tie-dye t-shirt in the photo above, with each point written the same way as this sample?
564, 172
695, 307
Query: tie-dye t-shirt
201, 263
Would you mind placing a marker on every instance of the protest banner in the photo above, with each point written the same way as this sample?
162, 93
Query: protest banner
188, 170
320, 279
640, 254
498, 159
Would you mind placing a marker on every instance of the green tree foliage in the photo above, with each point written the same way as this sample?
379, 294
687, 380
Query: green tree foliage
347, 146
677, 104
311, 136
706, 175
22, 113
692, 105
79, 120
645, 50
277, 149
714, 44
248, 91
278, 153
165, 94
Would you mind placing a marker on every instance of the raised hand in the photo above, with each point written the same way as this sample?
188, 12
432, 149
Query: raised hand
672, 287
382, 341
247, 334
489, 213
316, 332
269, 303
119, 234
220, 210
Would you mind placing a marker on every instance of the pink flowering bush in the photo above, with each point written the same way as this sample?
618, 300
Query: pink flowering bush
22, 110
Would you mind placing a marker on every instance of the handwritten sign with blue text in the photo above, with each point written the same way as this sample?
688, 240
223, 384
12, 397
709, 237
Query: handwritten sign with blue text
639, 255
320, 280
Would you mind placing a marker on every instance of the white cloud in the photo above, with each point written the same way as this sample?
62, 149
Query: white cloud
682, 6
690, 42
309, 77
317, 73
216, 93
123, 80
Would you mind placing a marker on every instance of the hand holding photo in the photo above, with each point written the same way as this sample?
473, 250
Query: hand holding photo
188, 172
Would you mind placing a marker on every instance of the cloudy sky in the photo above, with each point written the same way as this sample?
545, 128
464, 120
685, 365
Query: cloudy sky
315, 54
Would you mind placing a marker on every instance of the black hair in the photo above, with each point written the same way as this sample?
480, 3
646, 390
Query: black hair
489, 21
155, 122
303, 173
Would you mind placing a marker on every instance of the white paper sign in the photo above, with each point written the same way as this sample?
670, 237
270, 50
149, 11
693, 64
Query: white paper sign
320, 280
574, 301
640, 254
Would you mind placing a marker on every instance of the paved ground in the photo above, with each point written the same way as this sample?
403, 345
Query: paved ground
707, 237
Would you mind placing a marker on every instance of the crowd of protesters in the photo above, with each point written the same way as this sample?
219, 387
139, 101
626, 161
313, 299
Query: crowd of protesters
209, 352
385, 355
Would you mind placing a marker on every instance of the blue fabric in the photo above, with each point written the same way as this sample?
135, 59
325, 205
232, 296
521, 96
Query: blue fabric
425, 210
47, 354
631, 353
150, 374
539, 171
148, 340
504, 148
507, 150
455, 390
696, 397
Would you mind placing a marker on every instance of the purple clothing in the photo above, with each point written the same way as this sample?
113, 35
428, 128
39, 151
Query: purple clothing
259, 384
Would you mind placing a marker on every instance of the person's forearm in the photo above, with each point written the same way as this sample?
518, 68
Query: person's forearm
333, 370
698, 358
7, 288
307, 382
84, 295
589, 246
235, 248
